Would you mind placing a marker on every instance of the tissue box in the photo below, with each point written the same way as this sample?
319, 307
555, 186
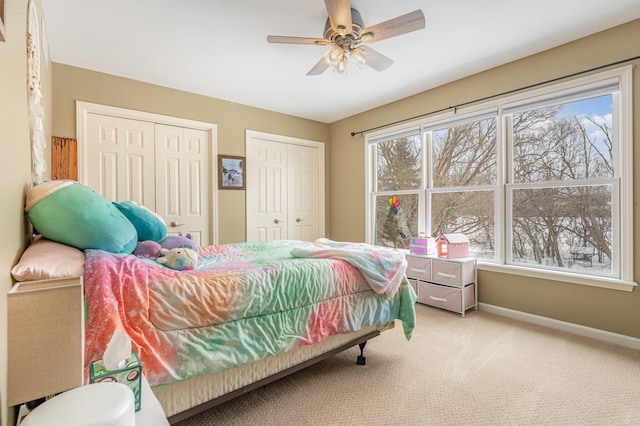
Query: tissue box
130, 375
421, 245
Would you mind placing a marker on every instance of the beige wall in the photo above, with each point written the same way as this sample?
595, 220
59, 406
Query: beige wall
15, 161
612, 310
71, 84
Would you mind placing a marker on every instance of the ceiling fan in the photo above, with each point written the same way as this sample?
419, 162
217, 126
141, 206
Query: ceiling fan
345, 33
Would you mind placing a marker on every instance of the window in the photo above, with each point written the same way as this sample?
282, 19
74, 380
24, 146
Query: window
563, 175
396, 189
463, 182
539, 181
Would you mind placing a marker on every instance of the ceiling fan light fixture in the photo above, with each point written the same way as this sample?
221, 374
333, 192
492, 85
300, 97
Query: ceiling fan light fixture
341, 66
334, 56
359, 56
344, 32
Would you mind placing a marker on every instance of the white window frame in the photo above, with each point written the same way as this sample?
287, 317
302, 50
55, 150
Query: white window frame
622, 210
370, 177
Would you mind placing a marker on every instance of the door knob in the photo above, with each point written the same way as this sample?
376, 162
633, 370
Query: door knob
299, 219
278, 221
173, 224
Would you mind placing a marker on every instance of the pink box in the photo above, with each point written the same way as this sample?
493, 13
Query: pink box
421, 245
424, 250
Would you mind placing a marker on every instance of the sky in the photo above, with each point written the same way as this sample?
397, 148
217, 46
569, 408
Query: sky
599, 107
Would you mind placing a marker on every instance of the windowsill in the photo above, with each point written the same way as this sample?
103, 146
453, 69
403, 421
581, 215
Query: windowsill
593, 281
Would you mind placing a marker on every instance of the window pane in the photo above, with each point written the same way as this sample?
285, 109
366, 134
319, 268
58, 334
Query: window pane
568, 228
471, 213
396, 220
465, 155
564, 142
399, 164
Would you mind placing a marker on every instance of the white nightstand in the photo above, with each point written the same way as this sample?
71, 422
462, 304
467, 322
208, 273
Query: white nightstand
45, 338
449, 284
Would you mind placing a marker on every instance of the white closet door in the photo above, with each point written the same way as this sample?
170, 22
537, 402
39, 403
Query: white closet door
267, 198
182, 168
120, 159
303, 189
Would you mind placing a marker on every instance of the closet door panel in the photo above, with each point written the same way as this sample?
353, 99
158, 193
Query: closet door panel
267, 195
182, 168
303, 192
120, 159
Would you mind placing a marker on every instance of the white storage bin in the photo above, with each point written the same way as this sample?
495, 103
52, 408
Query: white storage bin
445, 297
455, 273
419, 267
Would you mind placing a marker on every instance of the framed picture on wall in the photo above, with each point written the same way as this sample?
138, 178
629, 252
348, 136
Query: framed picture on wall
230, 172
2, 30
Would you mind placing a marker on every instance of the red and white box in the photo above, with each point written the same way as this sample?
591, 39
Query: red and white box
453, 246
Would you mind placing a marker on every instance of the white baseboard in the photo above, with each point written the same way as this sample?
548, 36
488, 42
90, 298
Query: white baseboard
607, 336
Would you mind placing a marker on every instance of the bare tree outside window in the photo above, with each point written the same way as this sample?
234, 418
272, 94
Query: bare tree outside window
398, 169
566, 221
464, 156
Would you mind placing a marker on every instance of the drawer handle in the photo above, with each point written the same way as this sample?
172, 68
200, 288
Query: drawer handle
419, 270
442, 274
438, 299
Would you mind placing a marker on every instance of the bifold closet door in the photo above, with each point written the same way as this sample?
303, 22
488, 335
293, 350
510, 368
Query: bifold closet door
283, 190
163, 167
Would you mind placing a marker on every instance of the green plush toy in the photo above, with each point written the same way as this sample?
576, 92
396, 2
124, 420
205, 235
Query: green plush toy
149, 224
68, 212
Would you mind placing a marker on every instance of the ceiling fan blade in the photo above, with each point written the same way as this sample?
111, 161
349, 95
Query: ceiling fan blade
296, 40
375, 59
319, 68
339, 14
403, 24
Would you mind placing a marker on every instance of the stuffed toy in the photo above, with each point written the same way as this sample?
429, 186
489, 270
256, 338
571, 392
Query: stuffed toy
175, 241
147, 249
149, 224
71, 213
180, 258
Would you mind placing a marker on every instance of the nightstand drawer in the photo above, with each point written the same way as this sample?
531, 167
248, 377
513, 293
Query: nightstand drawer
449, 298
419, 267
453, 273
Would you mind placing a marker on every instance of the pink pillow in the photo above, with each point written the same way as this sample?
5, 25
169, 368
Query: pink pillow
45, 259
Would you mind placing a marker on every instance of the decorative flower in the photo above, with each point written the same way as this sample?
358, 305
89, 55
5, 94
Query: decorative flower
394, 203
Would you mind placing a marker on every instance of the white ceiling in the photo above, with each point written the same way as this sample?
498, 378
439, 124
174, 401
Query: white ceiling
218, 48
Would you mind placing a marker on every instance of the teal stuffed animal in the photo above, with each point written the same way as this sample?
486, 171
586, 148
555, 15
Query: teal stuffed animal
179, 258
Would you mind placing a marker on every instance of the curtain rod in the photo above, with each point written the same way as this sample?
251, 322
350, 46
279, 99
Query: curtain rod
508, 92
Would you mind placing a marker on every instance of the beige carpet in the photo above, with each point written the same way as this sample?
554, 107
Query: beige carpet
479, 370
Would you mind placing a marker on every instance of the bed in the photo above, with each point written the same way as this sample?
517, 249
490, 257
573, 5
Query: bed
249, 310
240, 316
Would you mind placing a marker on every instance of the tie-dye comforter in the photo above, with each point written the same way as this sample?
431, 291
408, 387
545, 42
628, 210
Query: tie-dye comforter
244, 302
